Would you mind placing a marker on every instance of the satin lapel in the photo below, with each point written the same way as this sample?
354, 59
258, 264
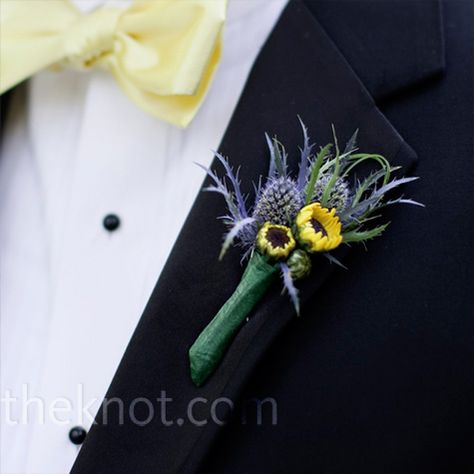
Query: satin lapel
299, 71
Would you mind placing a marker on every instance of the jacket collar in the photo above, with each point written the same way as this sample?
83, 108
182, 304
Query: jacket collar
390, 44
299, 71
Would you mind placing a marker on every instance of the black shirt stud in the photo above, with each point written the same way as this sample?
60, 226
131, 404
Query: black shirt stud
77, 435
111, 222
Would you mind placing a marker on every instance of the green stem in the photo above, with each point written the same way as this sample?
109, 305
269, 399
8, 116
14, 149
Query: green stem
209, 348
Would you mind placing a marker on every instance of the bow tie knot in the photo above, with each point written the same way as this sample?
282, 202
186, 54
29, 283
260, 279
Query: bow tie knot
162, 53
91, 38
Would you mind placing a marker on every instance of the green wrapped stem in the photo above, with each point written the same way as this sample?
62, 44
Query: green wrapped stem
209, 348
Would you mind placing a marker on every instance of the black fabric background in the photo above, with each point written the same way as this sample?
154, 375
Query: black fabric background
378, 374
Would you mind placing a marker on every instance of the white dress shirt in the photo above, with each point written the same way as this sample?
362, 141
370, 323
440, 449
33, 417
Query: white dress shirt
76, 149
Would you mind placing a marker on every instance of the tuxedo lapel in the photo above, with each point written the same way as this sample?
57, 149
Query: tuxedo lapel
299, 71
390, 44
5, 100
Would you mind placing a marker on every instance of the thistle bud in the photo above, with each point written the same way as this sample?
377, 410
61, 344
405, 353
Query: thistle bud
299, 264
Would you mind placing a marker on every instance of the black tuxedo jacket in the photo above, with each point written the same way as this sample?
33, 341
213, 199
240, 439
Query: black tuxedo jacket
376, 375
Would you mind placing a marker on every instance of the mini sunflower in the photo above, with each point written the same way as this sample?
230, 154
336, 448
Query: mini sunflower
319, 229
275, 241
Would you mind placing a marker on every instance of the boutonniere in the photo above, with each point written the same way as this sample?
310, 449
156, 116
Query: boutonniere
293, 218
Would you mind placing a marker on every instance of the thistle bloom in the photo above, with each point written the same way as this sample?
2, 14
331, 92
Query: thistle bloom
319, 229
279, 202
275, 241
339, 196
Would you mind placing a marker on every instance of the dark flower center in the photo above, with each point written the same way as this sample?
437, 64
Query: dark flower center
277, 237
318, 227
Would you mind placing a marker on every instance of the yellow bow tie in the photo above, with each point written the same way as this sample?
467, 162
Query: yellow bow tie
163, 53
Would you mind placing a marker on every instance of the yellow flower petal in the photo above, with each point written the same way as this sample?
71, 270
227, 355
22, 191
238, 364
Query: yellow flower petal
319, 229
275, 241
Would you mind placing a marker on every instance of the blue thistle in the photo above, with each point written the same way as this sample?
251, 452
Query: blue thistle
278, 202
339, 196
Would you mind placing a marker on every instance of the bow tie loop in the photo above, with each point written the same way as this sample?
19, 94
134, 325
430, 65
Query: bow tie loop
91, 38
162, 53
